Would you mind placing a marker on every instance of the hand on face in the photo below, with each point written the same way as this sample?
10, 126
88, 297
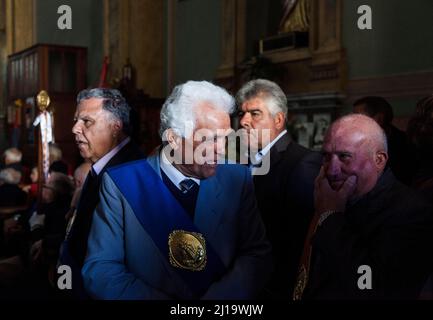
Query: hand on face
326, 198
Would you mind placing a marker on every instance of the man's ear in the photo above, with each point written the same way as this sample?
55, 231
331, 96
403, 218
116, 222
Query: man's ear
381, 159
173, 139
280, 120
117, 128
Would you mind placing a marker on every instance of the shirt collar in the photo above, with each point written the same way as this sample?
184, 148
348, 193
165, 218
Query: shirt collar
175, 176
259, 155
101, 163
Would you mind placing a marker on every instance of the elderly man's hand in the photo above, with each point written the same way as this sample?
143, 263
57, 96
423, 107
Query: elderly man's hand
328, 199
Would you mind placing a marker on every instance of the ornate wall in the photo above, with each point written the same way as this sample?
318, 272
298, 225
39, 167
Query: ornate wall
20, 27
320, 67
134, 29
16, 33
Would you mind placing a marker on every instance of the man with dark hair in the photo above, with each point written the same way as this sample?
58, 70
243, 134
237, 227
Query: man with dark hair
101, 131
399, 155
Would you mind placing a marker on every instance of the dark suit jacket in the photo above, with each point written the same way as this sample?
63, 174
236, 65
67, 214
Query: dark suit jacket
89, 199
11, 195
74, 248
390, 229
400, 156
285, 200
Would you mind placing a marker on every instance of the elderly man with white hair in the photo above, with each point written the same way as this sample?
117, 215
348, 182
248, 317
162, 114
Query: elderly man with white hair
181, 224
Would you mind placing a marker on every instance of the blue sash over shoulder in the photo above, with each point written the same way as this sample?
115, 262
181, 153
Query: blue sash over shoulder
168, 224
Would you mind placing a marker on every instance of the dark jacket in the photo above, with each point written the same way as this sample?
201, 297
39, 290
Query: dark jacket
390, 230
400, 155
285, 200
89, 199
11, 195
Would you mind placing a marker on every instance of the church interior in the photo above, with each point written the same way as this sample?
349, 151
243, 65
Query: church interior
146, 47
324, 54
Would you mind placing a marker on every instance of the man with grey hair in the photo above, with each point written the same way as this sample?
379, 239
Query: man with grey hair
12, 155
285, 193
101, 132
12, 159
181, 224
371, 237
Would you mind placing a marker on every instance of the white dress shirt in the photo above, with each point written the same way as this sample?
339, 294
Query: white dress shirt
101, 163
175, 176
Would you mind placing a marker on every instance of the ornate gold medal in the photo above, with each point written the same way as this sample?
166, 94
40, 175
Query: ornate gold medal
187, 250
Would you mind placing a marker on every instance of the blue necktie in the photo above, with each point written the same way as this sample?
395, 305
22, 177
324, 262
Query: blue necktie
186, 185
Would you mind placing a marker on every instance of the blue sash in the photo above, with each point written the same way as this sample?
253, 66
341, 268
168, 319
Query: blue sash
159, 213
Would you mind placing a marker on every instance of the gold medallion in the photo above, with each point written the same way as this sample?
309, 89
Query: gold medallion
187, 250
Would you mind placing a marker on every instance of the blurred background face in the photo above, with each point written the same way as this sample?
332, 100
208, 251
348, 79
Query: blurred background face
48, 195
94, 130
212, 127
349, 153
81, 173
34, 176
254, 114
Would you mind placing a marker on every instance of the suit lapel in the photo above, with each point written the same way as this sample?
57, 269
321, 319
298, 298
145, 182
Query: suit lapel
209, 206
129, 152
278, 148
275, 154
154, 163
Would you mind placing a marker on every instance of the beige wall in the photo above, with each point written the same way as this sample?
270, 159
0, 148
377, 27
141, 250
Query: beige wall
16, 33
134, 29
20, 29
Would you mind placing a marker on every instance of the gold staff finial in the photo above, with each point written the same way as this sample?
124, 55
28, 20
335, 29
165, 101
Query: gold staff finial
43, 100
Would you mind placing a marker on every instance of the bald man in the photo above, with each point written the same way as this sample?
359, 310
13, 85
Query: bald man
371, 237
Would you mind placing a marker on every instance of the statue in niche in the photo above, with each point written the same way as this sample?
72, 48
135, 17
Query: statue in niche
296, 16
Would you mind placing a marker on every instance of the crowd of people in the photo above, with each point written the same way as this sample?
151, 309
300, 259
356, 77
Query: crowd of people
191, 222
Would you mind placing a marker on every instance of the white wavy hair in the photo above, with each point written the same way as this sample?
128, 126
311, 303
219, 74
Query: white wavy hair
178, 112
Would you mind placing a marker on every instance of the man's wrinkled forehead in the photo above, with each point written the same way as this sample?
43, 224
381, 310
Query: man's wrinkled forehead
339, 137
207, 116
255, 102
